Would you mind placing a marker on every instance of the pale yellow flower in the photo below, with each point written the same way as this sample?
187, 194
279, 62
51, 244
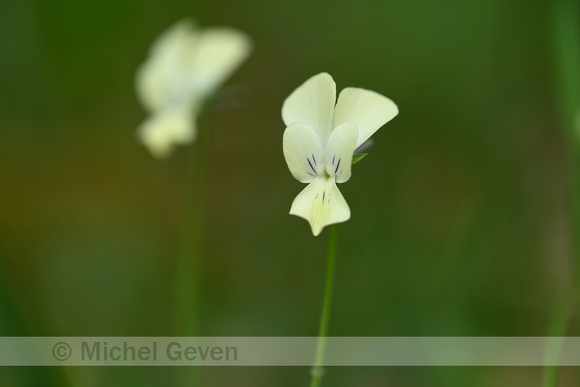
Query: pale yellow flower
320, 139
185, 66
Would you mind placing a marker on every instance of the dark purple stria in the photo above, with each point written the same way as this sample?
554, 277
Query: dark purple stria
309, 163
314, 160
323, 195
336, 170
333, 159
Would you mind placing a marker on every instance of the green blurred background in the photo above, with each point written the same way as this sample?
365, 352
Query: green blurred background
460, 218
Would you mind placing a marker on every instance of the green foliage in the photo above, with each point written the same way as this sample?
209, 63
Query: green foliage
358, 157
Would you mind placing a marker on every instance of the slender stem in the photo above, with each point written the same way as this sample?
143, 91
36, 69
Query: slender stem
189, 260
566, 53
317, 371
560, 318
34, 320
566, 50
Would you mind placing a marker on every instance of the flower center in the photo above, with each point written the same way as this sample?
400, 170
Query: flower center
333, 168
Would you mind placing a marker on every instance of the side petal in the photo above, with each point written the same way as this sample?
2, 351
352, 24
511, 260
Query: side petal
303, 152
312, 103
164, 130
339, 150
219, 53
365, 108
321, 204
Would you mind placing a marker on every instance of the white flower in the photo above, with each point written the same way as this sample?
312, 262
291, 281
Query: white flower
320, 140
185, 65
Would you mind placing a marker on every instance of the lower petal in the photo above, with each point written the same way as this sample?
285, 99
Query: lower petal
321, 204
164, 130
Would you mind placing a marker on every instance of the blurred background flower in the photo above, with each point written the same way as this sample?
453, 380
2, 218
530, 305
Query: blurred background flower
185, 66
467, 232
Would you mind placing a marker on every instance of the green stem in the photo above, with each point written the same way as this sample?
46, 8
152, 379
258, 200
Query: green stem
566, 53
189, 259
317, 370
560, 318
23, 315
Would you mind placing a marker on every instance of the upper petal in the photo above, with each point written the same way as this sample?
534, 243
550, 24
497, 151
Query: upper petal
164, 78
172, 37
219, 53
303, 152
339, 150
365, 108
321, 203
165, 129
312, 103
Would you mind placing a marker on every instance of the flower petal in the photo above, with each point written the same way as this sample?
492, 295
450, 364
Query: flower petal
365, 108
303, 152
312, 103
164, 78
339, 150
165, 129
219, 53
167, 40
321, 204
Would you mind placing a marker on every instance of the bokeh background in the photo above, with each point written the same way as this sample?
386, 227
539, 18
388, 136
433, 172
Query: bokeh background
460, 213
